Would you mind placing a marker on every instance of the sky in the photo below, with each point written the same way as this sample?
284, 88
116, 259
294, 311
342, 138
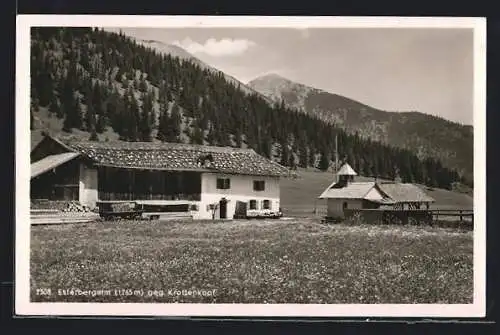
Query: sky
429, 70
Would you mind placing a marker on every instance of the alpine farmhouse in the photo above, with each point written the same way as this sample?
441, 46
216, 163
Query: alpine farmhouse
204, 182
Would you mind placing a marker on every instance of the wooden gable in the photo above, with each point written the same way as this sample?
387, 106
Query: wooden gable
46, 147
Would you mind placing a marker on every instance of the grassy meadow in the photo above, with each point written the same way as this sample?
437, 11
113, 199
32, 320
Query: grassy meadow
274, 261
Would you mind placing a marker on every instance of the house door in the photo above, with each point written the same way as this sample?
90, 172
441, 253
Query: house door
223, 208
240, 211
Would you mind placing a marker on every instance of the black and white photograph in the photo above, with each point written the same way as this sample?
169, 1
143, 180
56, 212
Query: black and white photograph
250, 166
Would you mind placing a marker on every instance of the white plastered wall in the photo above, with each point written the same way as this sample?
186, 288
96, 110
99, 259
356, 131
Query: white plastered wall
241, 189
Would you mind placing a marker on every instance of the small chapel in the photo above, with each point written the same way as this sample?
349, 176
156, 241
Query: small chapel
345, 193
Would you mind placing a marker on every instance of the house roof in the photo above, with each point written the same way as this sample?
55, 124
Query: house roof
175, 156
346, 170
405, 192
357, 190
391, 192
383, 201
51, 162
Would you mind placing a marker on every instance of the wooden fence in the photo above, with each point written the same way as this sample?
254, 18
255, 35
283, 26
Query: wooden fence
416, 216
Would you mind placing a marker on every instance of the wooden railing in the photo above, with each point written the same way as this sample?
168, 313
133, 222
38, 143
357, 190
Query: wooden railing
113, 196
419, 215
453, 213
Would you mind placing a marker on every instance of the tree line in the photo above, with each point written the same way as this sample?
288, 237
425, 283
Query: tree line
95, 80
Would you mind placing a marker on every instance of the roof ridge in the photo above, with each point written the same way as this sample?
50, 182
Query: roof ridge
150, 146
370, 189
168, 155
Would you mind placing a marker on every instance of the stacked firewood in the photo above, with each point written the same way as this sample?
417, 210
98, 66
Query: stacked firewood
58, 205
75, 206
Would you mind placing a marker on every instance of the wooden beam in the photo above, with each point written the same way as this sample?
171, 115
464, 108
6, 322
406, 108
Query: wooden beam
131, 185
151, 176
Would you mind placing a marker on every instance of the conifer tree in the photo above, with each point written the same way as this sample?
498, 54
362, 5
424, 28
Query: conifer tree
101, 124
210, 135
73, 115
121, 123
45, 87
168, 93
265, 146
134, 118
125, 83
174, 131
146, 119
163, 124
85, 60
87, 90
115, 110
143, 85
324, 161
285, 159
303, 158
312, 158
292, 161
196, 134
223, 136
237, 137
90, 120
54, 107
93, 136
97, 98
78, 113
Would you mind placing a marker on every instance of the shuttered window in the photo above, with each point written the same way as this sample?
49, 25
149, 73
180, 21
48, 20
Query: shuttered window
223, 183
259, 185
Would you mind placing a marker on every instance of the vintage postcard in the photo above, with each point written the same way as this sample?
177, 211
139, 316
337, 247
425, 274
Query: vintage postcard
250, 166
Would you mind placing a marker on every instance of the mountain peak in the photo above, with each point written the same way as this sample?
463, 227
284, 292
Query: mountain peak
270, 77
171, 49
279, 88
274, 85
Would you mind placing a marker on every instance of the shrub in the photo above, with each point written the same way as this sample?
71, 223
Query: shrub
355, 220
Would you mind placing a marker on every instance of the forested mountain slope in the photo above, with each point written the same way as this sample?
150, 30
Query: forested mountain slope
106, 86
176, 51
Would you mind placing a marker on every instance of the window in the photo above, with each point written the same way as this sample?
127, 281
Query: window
344, 205
253, 204
259, 185
223, 183
266, 204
